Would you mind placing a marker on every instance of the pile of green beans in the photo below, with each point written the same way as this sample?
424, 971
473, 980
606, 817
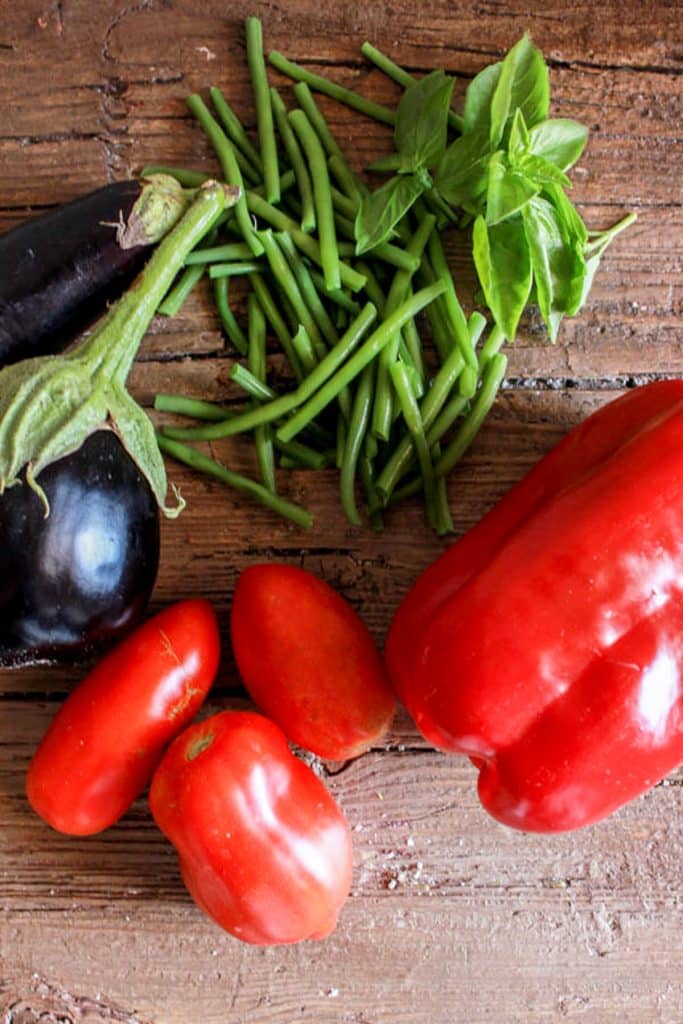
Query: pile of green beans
365, 397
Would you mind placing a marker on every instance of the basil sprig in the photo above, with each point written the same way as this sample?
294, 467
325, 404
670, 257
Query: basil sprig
507, 172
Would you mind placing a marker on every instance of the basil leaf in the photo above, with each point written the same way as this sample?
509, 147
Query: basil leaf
508, 190
501, 256
523, 83
569, 215
422, 121
558, 265
382, 209
561, 141
462, 173
542, 172
476, 113
518, 144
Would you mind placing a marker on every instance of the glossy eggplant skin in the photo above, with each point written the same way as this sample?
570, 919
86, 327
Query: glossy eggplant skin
59, 270
73, 582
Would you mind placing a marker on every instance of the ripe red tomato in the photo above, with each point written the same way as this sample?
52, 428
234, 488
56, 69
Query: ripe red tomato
309, 662
263, 848
102, 746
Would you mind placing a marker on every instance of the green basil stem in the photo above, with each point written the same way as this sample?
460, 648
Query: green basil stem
324, 212
264, 111
256, 360
415, 425
235, 130
358, 424
231, 171
237, 269
283, 274
368, 351
350, 278
328, 88
218, 253
175, 299
275, 320
383, 406
296, 159
195, 460
403, 78
286, 403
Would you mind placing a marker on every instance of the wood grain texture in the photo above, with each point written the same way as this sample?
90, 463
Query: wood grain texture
452, 919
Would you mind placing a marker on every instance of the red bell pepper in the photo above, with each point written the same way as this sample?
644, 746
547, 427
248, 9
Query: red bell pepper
263, 848
547, 643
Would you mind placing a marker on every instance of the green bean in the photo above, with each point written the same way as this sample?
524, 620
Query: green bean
492, 378
283, 274
443, 520
180, 291
492, 344
231, 171
330, 144
350, 278
386, 251
302, 455
304, 349
257, 366
453, 309
191, 457
286, 403
264, 111
338, 296
402, 77
341, 442
357, 362
308, 289
234, 269
358, 424
193, 407
287, 182
230, 251
453, 408
235, 130
249, 383
221, 293
344, 205
436, 314
275, 320
324, 213
373, 288
349, 182
386, 164
413, 343
431, 405
383, 406
336, 92
413, 420
296, 159
366, 471
188, 179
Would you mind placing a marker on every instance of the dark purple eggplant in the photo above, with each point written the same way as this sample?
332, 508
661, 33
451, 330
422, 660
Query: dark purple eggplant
81, 474
73, 582
59, 270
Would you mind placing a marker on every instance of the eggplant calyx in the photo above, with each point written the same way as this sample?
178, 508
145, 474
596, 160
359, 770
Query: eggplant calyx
49, 405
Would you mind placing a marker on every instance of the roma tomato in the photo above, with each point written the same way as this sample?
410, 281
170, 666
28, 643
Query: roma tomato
309, 662
105, 741
263, 848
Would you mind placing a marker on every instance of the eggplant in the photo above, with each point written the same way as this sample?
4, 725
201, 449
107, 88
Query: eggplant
81, 475
72, 583
59, 270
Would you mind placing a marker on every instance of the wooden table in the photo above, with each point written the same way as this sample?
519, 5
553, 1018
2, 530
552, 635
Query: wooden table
452, 918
